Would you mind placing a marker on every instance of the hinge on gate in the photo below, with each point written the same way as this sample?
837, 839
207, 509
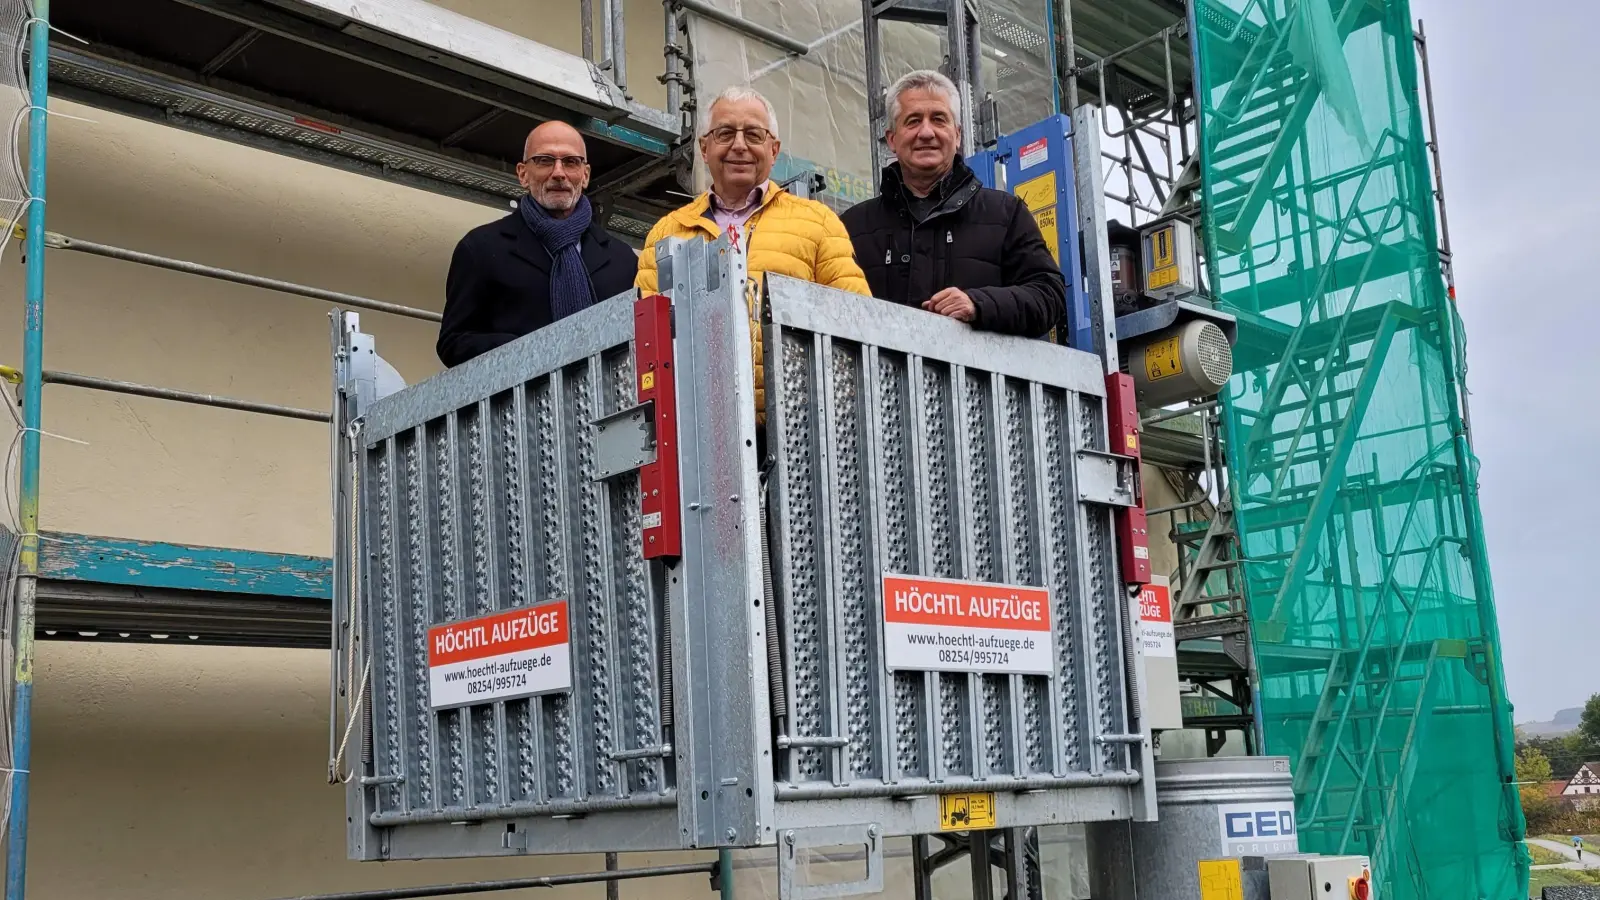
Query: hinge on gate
1107, 478
624, 441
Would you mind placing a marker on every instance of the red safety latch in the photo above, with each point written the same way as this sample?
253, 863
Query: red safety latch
659, 506
1133, 535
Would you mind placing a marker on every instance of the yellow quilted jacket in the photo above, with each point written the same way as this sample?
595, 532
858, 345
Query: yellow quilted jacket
788, 235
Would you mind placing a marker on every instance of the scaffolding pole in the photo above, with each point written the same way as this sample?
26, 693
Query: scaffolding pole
610, 877
134, 388
62, 242
38, 32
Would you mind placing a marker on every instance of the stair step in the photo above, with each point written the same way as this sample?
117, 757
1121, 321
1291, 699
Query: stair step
1212, 598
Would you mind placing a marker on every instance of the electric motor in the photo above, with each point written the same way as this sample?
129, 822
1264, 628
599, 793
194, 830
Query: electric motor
1186, 362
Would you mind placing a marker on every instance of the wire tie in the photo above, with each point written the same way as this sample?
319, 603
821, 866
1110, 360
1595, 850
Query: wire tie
59, 437
39, 537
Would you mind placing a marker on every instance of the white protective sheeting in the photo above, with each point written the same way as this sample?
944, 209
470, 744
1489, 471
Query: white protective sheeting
821, 98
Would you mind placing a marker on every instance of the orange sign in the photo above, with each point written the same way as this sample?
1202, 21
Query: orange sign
503, 656
943, 625
930, 601
527, 628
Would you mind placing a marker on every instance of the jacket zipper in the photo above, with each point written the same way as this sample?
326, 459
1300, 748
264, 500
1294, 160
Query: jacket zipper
949, 258
910, 263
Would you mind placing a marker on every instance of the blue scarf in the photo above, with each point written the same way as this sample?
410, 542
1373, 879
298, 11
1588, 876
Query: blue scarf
570, 290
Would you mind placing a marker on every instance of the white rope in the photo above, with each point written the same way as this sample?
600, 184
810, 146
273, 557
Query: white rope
51, 434
353, 700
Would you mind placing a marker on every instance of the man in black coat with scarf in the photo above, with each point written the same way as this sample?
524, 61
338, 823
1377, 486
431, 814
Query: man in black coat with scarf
544, 262
936, 238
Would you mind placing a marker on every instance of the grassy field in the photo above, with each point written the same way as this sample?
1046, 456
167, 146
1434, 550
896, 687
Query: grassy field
1543, 878
1589, 840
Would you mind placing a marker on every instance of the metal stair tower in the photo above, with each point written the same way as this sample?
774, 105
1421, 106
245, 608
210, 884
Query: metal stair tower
1351, 476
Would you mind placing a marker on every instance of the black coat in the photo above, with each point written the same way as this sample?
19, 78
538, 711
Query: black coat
498, 288
980, 240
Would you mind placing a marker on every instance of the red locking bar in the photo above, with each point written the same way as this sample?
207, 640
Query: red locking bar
658, 481
1133, 535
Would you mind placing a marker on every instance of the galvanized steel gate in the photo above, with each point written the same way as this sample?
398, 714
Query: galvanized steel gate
570, 527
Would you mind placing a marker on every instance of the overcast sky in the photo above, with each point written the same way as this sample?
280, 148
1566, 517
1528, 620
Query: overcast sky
1519, 127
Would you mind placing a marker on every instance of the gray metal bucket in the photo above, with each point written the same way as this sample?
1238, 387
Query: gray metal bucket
1228, 807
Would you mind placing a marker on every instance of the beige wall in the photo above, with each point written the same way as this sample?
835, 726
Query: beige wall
163, 471
192, 772
185, 772
557, 23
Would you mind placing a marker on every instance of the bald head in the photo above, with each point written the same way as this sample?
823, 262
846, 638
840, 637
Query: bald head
554, 167
563, 138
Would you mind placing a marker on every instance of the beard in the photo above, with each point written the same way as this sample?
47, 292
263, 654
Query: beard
556, 200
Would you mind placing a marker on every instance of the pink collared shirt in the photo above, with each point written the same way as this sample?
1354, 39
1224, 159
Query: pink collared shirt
736, 218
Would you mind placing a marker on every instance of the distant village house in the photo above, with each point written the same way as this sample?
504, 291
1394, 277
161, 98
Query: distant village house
1582, 791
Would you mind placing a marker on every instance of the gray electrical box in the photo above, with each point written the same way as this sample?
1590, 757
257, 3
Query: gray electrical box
1321, 878
1170, 261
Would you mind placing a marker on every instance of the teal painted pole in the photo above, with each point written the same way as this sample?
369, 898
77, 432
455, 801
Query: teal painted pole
725, 874
32, 393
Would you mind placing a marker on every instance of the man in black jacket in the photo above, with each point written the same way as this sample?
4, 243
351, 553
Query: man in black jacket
936, 238
549, 259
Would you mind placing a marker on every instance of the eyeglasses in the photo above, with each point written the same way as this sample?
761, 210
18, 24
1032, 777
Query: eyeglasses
754, 135
542, 163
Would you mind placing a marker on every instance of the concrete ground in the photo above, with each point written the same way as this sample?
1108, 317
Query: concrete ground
1589, 861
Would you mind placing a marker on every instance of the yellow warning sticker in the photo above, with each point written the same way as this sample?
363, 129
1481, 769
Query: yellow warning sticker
647, 381
1220, 879
1161, 360
1038, 193
1160, 278
1047, 227
1162, 242
966, 812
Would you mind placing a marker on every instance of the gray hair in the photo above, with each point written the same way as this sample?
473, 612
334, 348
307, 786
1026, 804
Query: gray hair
739, 93
923, 80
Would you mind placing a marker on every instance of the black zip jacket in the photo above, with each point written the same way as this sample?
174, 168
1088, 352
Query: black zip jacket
498, 286
980, 240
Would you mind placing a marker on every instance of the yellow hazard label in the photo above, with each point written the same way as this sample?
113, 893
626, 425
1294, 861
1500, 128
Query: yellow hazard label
1132, 442
1038, 193
1220, 879
1161, 360
1161, 248
1047, 227
647, 381
1162, 277
1039, 196
966, 812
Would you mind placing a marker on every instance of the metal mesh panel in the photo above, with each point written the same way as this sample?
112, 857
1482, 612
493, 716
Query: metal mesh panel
561, 761
509, 482
799, 590
496, 494
853, 559
899, 537
1353, 486
957, 460
1061, 572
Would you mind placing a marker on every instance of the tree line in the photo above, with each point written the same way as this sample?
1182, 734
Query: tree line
1541, 760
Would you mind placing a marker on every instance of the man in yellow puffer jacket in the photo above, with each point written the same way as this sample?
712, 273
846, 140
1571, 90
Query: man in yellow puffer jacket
778, 231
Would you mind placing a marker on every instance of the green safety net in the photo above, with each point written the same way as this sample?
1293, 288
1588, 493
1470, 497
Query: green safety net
1352, 476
